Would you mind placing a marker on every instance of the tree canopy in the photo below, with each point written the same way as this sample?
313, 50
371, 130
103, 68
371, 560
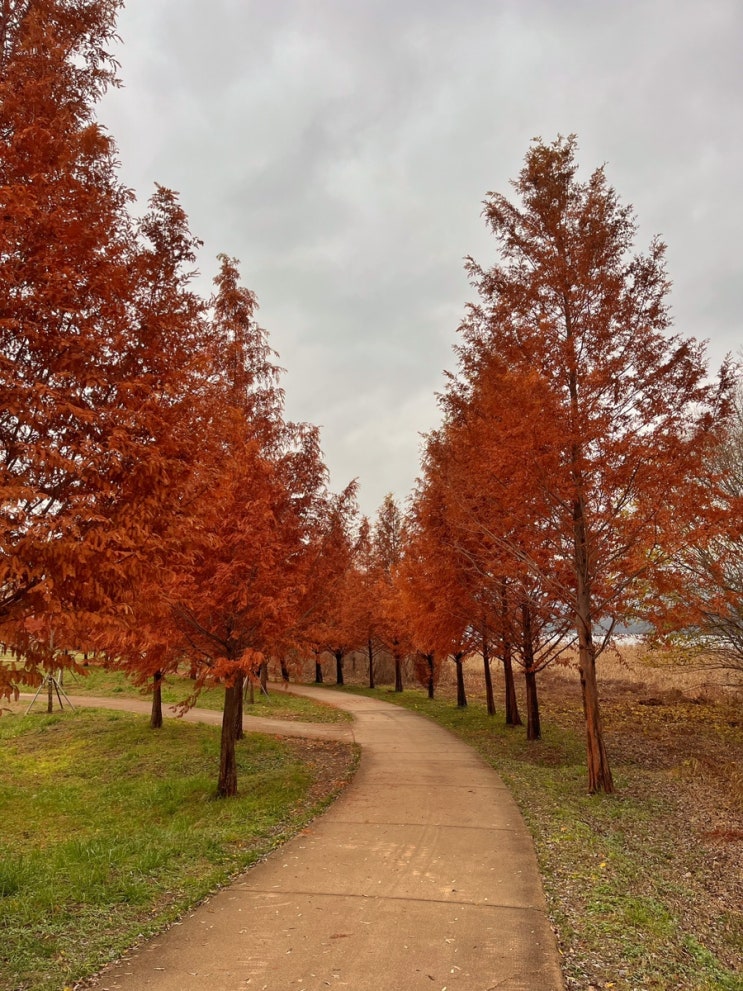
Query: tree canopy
576, 424
157, 505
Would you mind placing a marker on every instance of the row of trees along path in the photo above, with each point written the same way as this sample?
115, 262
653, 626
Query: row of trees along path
572, 465
157, 506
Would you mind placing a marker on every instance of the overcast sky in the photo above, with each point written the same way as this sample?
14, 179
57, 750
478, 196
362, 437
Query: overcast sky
341, 149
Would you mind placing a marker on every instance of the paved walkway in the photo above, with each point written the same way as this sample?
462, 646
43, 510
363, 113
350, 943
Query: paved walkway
420, 877
251, 724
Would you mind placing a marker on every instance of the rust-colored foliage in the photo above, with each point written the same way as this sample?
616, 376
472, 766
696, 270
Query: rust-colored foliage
236, 589
697, 600
327, 623
170, 357
576, 421
388, 541
435, 593
86, 445
154, 502
360, 592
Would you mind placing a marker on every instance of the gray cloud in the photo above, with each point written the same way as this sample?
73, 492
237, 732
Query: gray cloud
342, 152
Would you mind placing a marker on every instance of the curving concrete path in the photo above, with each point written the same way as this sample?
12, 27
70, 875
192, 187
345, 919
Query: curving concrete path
420, 877
251, 724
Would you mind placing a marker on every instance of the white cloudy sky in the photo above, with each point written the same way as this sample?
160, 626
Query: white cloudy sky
341, 149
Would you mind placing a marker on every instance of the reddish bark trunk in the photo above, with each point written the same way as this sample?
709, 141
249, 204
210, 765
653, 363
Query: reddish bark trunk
239, 684
513, 717
227, 782
430, 686
156, 713
461, 693
339, 667
490, 699
533, 725
599, 772
533, 728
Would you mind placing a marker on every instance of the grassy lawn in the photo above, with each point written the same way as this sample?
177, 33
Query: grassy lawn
110, 830
100, 681
644, 887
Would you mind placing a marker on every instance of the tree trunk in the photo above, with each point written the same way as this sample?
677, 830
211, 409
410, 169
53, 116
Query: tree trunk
50, 692
227, 783
533, 729
284, 671
398, 671
599, 772
239, 683
318, 671
156, 713
461, 693
264, 677
430, 663
513, 717
533, 726
488, 677
339, 667
370, 652
512, 707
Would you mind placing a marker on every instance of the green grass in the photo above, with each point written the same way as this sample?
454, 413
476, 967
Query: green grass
619, 871
110, 831
105, 682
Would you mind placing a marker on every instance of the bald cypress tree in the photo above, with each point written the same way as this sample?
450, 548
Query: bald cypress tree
571, 308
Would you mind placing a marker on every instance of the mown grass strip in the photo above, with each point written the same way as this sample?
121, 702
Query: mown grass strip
111, 830
620, 872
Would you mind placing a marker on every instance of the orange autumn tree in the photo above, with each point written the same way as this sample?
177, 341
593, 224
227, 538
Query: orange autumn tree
509, 531
569, 303
327, 621
86, 450
448, 507
362, 608
60, 301
696, 600
169, 355
237, 585
388, 541
323, 622
434, 589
